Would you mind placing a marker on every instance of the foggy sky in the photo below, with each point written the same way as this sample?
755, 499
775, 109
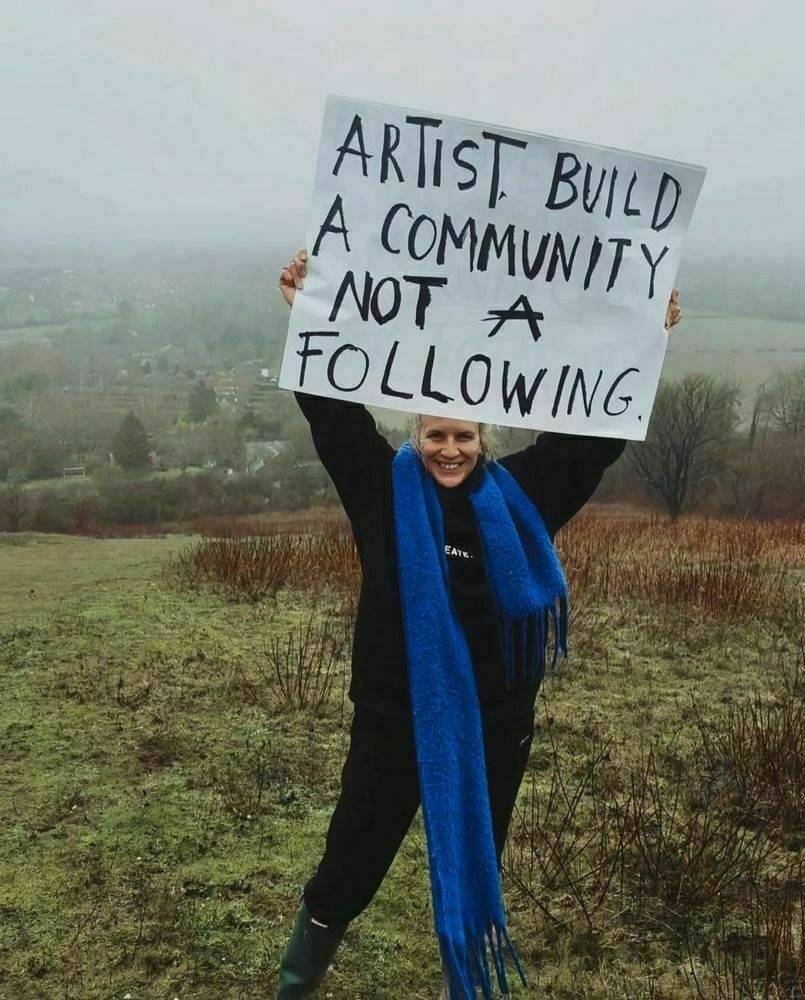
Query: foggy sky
197, 123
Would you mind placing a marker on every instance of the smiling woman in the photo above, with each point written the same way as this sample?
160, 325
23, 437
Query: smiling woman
460, 587
449, 449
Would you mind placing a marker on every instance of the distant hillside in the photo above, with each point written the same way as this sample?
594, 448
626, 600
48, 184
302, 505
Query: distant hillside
747, 287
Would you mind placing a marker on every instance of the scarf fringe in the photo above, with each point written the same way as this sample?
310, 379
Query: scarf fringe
468, 963
524, 641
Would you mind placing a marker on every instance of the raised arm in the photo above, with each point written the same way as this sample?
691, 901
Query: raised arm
352, 450
560, 472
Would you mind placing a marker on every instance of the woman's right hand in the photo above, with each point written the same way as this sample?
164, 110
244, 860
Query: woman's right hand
292, 274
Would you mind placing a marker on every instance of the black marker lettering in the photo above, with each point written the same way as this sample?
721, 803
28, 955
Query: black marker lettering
336, 209
437, 164
667, 179
585, 197
424, 297
494, 186
532, 268
465, 393
520, 309
627, 209
384, 232
466, 144
385, 388
624, 399
379, 316
427, 376
562, 176
611, 195
559, 389
620, 242
331, 368
595, 253
423, 123
653, 264
308, 352
457, 239
355, 131
391, 140
412, 235
559, 254
348, 283
579, 383
525, 397
503, 245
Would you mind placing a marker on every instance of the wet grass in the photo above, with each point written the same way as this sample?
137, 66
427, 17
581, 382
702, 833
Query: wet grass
161, 806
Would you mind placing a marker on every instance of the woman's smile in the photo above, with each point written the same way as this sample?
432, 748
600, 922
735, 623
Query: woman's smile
449, 448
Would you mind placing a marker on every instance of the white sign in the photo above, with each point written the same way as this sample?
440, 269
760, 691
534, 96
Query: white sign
473, 271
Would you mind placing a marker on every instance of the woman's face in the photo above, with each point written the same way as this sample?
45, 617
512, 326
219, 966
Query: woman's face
449, 448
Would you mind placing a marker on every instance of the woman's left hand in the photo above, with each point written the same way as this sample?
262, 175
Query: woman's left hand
673, 313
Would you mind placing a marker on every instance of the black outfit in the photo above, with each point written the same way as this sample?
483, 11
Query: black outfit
380, 783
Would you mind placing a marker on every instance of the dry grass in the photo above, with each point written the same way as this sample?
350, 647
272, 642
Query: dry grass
729, 570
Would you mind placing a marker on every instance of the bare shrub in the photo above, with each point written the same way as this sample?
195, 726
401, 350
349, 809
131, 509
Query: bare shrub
683, 849
790, 669
567, 841
655, 845
154, 908
327, 552
730, 570
250, 567
220, 526
242, 780
758, 750
253, 566
300, 669
720, 585
762, 956
87, 514
692, 426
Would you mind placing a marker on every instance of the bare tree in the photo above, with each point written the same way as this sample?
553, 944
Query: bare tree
765, 476
768, 480
691, 427
784, 400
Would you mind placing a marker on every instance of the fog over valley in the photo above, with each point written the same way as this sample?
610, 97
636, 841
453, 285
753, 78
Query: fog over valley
157, 163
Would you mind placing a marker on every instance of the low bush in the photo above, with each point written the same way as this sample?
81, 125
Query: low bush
299, 669
757, 750
649, 841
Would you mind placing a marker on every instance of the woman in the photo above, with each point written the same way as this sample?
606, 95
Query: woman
460, 584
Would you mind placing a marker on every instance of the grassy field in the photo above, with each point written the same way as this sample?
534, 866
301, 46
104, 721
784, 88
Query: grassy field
166, 788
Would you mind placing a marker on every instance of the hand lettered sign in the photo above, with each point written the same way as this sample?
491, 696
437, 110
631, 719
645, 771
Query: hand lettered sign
468, 270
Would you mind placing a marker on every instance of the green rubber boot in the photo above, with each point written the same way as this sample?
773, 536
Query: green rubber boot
307, 956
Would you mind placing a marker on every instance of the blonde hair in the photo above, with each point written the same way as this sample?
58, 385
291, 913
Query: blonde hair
486, 436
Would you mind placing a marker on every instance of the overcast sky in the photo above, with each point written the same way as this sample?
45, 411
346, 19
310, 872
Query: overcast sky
198, 122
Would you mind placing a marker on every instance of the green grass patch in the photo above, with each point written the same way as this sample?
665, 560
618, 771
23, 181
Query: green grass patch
157, 820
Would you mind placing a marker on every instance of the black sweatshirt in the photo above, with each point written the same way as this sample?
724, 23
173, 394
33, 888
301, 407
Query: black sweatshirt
559, 474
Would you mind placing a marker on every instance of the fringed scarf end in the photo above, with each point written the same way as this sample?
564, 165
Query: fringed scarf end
467, 963
524, 642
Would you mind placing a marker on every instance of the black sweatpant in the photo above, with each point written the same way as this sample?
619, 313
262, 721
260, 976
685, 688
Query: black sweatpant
380, 796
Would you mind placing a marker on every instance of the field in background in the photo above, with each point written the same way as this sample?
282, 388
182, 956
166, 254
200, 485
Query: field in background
175, 718
748, 350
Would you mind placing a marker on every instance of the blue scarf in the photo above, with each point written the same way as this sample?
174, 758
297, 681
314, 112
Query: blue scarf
528, 588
